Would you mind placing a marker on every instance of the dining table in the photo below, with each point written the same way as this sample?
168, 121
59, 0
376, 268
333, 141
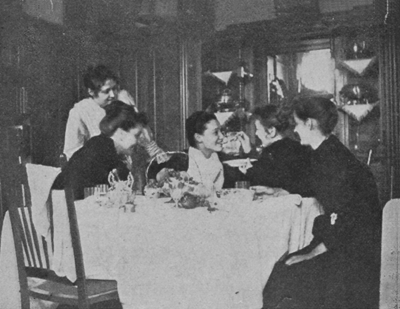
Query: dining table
163, 256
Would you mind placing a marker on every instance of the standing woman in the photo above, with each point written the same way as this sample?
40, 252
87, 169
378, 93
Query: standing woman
84, 118
340, 268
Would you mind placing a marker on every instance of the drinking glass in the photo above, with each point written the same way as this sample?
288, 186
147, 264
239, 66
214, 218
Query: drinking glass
212, 198
176, 194
130, 200
100, 191
242, 185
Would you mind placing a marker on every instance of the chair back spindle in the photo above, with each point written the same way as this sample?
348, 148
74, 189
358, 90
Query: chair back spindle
76, 240
34, 246
32, 253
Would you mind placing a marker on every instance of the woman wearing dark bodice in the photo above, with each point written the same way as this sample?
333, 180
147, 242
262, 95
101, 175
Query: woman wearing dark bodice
91, 164
340, 268
283, 163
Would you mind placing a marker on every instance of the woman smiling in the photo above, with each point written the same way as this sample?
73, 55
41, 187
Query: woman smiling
340, 268
283, 163
90, 165
205, 140
202, 162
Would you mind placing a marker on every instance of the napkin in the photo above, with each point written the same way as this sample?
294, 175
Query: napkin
40, 180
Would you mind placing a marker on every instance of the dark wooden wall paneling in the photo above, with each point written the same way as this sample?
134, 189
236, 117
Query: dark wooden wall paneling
389, 78
390, 100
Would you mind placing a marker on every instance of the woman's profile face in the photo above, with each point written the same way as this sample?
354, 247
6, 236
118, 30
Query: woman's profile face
212, 137
127, 139
303, 130
262, 134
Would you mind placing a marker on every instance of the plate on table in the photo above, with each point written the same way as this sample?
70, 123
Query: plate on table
238, 162
262, 190
236, 196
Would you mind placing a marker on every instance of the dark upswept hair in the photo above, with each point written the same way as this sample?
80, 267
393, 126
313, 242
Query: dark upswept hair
319, 108
121, 115
272, 116
196, 123
95, 77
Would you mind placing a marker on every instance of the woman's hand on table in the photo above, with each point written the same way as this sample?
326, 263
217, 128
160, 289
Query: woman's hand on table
303, 257
162, 175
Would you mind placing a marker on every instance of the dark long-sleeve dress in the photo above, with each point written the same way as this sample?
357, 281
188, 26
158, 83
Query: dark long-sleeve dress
347, 275
283, 164
91, 165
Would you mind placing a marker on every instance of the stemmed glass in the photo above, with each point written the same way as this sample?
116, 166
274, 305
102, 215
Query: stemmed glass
176, 194
130, 200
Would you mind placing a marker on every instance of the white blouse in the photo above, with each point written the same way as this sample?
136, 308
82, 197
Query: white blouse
83, 122
209, 171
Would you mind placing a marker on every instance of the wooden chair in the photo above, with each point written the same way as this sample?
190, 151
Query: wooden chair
35, 276
390, 262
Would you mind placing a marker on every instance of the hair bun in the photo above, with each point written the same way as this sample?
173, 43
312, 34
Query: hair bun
120, 115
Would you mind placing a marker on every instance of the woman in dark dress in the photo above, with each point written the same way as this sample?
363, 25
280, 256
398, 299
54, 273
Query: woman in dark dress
91, 165
283, 163
340, 268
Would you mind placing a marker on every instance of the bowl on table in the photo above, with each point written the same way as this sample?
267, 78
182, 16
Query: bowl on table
239, 162
190, 201
151, 192
262, 192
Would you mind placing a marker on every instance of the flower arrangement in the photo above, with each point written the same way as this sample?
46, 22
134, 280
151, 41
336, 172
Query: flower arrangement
185, 192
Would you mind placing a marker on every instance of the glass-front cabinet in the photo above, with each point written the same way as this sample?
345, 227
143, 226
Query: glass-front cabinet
340, 65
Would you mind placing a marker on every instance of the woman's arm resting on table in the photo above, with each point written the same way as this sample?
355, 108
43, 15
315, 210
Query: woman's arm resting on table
163, 175
300, 258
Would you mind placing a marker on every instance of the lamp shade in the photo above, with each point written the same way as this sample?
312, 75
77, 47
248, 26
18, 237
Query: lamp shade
358, 112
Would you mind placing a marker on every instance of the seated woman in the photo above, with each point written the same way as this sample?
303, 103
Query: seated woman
90, 165
203, 165
283, 163
340, 268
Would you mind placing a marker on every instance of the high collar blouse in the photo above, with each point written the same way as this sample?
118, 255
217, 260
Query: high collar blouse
83, 122
208, 171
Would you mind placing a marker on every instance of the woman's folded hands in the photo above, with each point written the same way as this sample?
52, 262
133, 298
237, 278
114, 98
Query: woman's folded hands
293, 259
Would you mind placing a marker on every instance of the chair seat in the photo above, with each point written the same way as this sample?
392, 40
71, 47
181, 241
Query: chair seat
63, 293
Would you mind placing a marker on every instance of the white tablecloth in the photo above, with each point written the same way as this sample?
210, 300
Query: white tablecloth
166, 257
